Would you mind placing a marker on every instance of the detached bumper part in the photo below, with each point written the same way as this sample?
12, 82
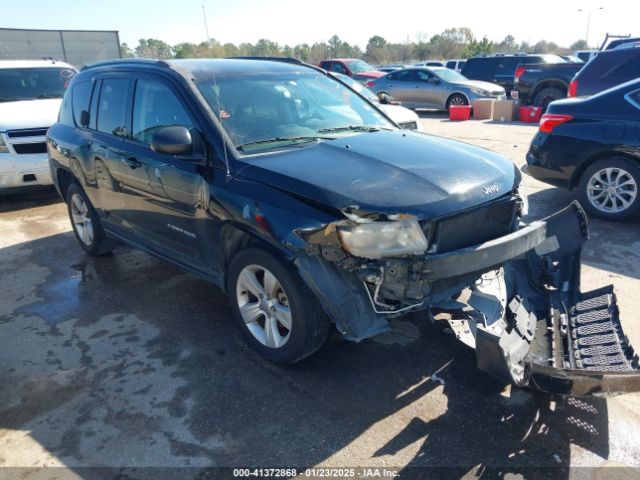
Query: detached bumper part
573, 342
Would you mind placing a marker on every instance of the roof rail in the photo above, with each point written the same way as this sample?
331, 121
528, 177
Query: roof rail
273, 59
126, 61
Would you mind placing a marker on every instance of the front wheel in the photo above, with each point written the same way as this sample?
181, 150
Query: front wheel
276, 311
609, 189
457, 99
86, 223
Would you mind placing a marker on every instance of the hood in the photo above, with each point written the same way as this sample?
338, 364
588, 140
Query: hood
29, 114
371, 74
387, 172
399, 114
490, 87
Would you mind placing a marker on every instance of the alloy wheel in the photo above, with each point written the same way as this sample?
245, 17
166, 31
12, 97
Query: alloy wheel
457, 100
81, 218
611, 190
264, 306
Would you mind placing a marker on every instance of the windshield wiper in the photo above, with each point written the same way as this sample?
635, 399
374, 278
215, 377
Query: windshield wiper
49, 95
290, 140
353, 128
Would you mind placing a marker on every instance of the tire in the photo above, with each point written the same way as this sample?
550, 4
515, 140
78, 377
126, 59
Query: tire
86, 224
547, 95
457, 99
623, 176
290, 340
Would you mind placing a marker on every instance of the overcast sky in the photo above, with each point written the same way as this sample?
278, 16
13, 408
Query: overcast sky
291, 22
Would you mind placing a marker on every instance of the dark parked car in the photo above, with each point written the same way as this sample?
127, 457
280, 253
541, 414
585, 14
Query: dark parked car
592, 145
501, 69
541, 83
608, 69
307, 205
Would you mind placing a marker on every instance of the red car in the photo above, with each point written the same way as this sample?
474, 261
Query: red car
352, 67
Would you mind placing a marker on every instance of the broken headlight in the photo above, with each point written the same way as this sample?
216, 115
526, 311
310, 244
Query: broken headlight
384, 239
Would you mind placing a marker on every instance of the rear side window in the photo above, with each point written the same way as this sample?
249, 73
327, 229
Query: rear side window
81, 93
451, 65
404, 76
480, 68
627, 70
155, 106
111, 106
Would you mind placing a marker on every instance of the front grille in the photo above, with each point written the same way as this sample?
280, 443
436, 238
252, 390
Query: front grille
497, 94
475, 226
408, 125
30, 148
31, 132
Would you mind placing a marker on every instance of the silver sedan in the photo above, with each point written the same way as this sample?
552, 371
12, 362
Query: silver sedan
434, 87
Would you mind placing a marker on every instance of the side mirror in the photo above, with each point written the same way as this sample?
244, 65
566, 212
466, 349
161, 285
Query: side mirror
434, 80
175, 140
84, 118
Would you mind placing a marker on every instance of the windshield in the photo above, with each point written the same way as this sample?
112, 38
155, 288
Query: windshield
552, 59
450, 75
33, 83
358, 66
265, 110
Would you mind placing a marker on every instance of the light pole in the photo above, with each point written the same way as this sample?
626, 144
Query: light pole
589, 12
206, 27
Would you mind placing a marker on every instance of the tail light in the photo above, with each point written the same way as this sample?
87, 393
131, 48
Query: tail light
520, 71
368, 83
573, 88
549, 121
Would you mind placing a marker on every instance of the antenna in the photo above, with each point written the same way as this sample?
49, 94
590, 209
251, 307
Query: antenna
206, 27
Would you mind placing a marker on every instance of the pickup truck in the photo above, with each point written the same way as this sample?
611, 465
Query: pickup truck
541, 83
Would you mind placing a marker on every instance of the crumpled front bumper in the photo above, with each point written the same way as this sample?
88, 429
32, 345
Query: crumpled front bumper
551, 336
546, 334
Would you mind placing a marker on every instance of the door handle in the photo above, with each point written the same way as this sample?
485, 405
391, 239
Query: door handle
131, 162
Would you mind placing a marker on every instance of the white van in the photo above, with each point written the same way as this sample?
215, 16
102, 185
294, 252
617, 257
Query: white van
30, 96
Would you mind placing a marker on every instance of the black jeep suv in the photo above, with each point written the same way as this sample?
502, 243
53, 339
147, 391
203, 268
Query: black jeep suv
307, 205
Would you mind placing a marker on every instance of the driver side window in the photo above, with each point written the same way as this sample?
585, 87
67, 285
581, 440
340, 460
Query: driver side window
424, 76
155, 106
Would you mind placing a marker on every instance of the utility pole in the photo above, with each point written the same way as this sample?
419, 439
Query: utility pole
589, 12
206, 27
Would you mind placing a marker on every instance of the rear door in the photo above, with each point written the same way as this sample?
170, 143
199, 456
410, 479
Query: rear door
163, 194
402, 86
430, 90
504, 71
108, 128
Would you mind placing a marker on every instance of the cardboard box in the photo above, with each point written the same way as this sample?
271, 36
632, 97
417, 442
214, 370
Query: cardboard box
483, 108
505, 111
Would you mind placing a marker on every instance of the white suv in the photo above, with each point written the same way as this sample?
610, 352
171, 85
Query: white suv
30, 96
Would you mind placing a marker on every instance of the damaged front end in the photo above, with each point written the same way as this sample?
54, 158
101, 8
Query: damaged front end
515, 299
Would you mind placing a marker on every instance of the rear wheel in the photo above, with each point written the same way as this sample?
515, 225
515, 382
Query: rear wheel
547, 95
609, 189
457, 99
86, 223
276, 311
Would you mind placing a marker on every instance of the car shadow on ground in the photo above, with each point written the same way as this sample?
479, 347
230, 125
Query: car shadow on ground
35, 197
126, 360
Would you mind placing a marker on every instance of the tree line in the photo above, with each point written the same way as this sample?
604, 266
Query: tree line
451, 43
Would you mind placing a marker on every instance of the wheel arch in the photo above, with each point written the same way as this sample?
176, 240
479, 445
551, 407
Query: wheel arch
584, 165
457, 92
234, 238
551, 83
64, 180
